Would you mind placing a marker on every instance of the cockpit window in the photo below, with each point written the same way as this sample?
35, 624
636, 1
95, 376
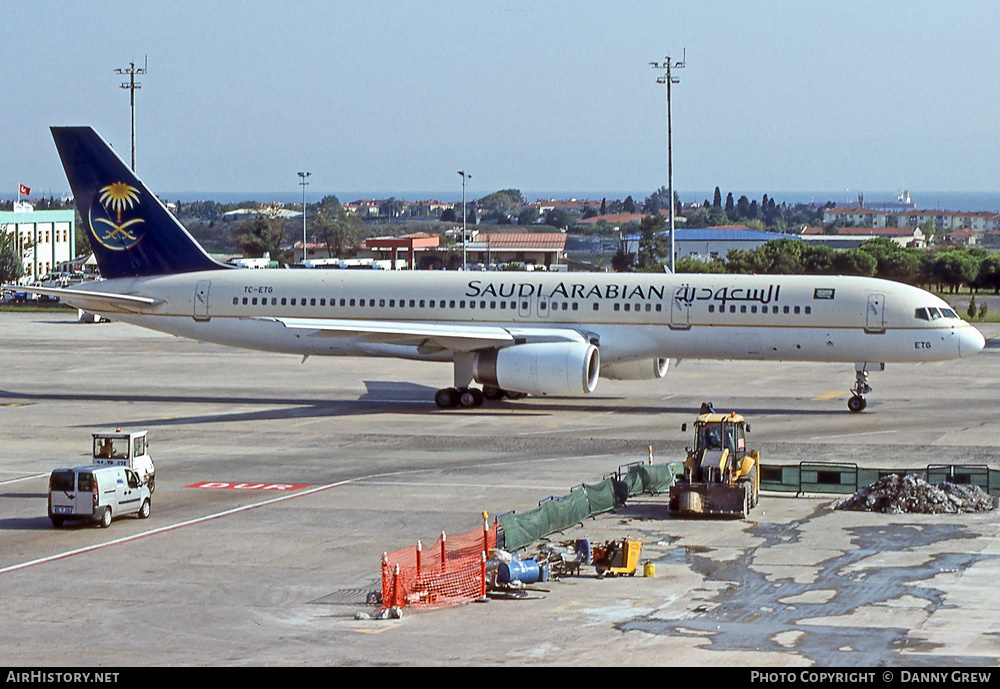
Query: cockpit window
932, 313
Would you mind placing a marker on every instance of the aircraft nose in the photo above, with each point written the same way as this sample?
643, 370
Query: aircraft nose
970, 341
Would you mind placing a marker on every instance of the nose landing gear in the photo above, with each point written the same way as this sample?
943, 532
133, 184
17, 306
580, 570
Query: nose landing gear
861, 388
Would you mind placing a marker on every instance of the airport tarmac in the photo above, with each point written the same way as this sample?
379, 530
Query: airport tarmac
258, 577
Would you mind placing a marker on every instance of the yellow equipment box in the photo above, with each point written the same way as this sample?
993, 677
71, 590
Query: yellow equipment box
617, 557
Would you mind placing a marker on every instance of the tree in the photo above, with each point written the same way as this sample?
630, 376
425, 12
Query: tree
501, 201
730, 206
335, 228
11, 265
628, 205
989, 273
954, 268
687, 264
717, 216
972, 310
528, 216
260, 235
559, 217
658, 200
855, 262
717, 199
621, 262
742, 208
892, 261
654, 247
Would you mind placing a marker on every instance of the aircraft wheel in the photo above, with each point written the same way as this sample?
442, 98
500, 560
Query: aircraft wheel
491, 392
446, 398
515, 395
857, 403
470, 398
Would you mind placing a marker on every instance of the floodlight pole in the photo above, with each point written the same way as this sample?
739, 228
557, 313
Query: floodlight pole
132, 85
668, 79
464, 218
304, 183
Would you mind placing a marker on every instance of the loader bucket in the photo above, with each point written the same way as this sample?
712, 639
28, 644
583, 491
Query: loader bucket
709, 500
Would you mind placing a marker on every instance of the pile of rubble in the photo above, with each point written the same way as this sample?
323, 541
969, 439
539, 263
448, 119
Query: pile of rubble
912, 494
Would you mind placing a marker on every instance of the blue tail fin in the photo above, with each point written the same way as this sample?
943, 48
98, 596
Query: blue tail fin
131, 232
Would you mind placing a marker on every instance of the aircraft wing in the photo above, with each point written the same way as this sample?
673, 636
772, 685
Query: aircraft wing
89, 300
430, 336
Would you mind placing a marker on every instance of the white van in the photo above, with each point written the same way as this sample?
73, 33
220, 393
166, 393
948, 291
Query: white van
99, 493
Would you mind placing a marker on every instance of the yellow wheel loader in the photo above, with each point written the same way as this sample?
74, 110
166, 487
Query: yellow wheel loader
721, 478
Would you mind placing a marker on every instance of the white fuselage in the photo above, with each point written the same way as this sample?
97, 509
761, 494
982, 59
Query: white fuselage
629, 316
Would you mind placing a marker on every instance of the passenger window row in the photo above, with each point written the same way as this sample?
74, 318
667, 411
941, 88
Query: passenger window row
513, 305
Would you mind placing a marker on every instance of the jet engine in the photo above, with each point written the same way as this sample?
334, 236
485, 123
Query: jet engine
640, 369
543, 368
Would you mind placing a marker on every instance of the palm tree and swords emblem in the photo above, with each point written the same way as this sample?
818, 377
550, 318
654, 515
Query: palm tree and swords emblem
116, 198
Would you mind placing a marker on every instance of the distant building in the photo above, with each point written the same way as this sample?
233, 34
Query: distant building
853, 237
530, 248
707, 243
977, 221
46, 238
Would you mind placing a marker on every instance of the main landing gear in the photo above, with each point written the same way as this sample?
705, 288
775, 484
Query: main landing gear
467, 398
861, 388
470, 398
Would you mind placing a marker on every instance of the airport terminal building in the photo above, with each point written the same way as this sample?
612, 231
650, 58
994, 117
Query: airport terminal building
45, 238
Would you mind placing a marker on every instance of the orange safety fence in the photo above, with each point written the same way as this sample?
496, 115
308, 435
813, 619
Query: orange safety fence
451, 572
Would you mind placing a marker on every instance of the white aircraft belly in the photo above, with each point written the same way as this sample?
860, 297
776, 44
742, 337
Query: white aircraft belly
616, 342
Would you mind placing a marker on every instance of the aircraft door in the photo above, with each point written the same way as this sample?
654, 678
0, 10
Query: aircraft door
524, 307
543, 307
201, 300
680, 309
875, 314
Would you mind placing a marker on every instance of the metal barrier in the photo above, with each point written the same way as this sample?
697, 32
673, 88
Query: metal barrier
847, 478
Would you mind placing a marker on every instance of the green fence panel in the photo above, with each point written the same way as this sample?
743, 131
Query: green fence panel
602, 496
828, 477
521, 529
634, 477
779, 478
568, 510
663, 476
968, 475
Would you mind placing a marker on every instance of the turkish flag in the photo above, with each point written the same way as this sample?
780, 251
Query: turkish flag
21, 189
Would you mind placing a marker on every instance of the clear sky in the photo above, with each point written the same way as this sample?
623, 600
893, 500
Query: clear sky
777, 95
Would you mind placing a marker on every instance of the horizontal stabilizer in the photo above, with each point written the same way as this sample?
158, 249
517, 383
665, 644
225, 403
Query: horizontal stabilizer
88, 300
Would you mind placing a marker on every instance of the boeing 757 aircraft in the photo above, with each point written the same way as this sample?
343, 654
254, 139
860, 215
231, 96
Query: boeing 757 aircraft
511, 333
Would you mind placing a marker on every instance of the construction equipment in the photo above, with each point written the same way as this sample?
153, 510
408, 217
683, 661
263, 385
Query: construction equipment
721, 477
617, 557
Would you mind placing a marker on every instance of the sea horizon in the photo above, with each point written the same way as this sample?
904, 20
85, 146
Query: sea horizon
960, 201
